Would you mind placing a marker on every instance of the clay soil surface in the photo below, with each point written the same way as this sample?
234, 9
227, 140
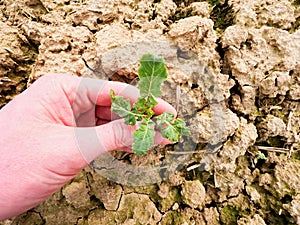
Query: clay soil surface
247, 60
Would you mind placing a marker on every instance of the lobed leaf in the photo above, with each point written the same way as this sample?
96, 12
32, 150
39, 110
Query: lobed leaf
152, 74
170, 129
151, 102
142, 107
143, 137
181, 127
122, 107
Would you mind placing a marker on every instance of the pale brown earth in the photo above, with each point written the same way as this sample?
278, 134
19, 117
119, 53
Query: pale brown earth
252, 49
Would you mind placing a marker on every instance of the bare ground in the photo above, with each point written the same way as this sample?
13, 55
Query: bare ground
252, 49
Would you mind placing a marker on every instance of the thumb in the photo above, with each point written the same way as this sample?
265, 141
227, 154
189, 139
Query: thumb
94, 141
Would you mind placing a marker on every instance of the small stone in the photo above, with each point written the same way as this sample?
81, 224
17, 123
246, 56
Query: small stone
163, 191
213, 127
244, 137
201, 9
108, 193
193, 194
211, 216
140, 208
175, 206
233, 36
188, 31
267, 86
253, 193
77, 194
272, 126
265, 179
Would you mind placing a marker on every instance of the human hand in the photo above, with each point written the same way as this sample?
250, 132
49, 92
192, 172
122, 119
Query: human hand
53, 130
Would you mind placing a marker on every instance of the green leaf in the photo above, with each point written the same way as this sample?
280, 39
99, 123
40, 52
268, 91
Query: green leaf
171, 130
181, 127
151, 102
143, 137
164, 118
143, 106
130, 119
122, 107
152, 73
119, 105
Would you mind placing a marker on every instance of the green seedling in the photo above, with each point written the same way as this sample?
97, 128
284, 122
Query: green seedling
259, 156
152, 73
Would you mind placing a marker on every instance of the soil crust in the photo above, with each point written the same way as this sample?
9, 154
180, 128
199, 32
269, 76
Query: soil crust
237, 70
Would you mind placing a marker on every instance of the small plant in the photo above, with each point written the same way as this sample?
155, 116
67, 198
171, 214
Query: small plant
259, 156
152, 73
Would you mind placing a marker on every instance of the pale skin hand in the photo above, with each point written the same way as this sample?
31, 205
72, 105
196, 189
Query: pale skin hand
53, 130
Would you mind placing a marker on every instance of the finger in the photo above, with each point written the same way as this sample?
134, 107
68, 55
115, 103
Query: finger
126, 149
101, 122
164, 106
86, 119
98, 91
105, 113
94, 141
159, 139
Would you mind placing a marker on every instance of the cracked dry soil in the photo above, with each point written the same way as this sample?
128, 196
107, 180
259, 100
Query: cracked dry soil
252, 47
